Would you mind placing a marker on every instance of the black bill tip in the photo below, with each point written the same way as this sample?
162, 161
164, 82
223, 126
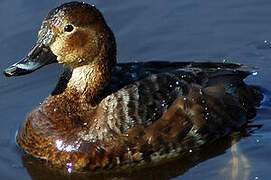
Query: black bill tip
10, 71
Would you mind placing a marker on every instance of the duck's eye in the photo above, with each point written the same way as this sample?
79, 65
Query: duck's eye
68, 28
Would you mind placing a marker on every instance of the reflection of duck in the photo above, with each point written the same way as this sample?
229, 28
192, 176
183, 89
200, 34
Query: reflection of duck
146, 112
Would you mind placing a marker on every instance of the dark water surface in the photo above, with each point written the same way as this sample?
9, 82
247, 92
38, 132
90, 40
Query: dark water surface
232, 30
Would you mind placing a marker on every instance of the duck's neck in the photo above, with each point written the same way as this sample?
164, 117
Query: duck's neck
89, 81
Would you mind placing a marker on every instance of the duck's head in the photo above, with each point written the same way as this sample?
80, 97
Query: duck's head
74, 34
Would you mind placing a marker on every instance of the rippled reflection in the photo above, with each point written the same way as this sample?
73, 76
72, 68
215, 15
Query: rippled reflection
239, 165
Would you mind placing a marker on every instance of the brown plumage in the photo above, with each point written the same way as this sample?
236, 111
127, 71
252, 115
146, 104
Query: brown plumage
102, 116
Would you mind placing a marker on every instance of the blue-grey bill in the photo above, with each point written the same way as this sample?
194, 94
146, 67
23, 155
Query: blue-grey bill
38, 57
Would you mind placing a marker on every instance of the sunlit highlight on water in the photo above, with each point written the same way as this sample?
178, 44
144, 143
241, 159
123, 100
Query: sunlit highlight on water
69, 167
255, 73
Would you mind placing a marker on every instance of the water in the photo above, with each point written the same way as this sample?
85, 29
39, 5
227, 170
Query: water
233, 30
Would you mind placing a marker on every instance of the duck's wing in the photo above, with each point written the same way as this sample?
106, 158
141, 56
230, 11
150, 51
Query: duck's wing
143, 92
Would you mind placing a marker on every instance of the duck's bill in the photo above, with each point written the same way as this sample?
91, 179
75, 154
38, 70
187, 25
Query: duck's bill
39, 56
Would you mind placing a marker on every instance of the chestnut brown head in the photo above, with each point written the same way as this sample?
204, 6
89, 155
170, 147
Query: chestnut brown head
74, 34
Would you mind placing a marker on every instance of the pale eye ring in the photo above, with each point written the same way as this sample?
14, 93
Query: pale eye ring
68, 28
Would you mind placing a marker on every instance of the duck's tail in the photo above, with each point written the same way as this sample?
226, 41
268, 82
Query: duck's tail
227, 83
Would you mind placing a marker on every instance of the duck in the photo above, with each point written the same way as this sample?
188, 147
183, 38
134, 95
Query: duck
103, 114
